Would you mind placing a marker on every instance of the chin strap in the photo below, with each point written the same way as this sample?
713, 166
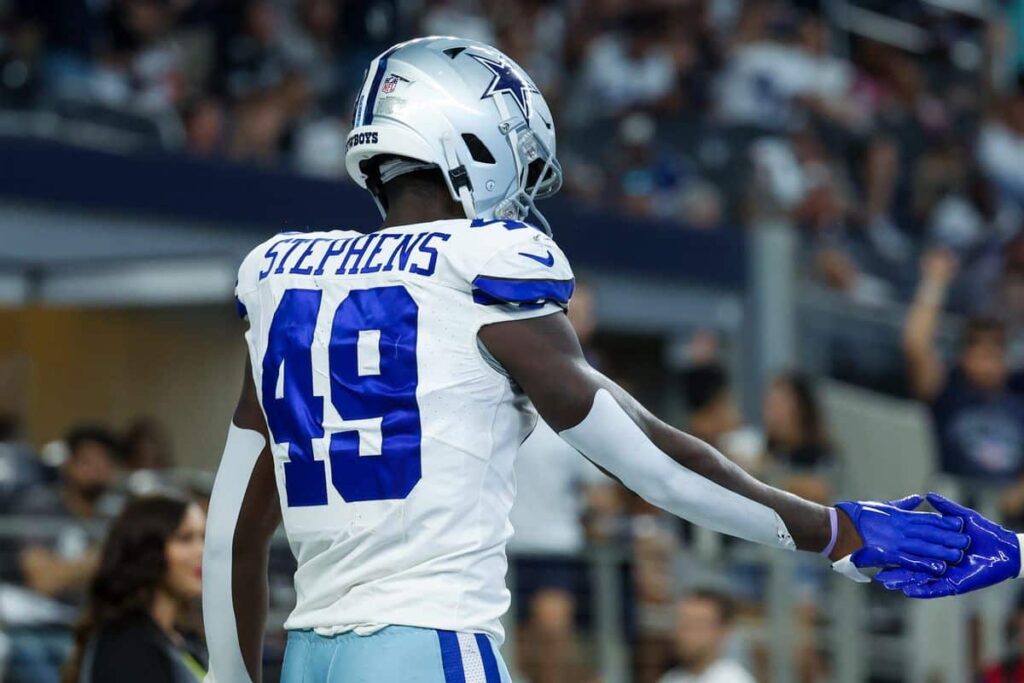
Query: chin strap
458, 176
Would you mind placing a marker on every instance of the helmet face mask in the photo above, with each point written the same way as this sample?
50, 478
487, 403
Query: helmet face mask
467, 109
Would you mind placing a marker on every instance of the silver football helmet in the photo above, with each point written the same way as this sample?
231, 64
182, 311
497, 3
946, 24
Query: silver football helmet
465, 108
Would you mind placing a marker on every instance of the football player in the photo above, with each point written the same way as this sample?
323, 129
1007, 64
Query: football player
393, 375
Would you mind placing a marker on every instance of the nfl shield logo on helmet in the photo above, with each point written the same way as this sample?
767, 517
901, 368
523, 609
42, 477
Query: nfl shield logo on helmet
390, 83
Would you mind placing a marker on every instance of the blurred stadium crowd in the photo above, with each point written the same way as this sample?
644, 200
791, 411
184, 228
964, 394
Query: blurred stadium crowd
891, 134
883, 129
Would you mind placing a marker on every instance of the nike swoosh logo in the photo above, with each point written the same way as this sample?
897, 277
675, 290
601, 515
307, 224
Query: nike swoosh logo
548, 260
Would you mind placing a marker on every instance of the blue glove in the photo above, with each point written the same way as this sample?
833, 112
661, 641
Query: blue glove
894, 536
993, 556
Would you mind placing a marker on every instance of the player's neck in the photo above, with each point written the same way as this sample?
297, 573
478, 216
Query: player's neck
413, 199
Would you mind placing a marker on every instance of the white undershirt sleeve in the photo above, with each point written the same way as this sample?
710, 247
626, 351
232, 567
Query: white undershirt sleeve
611, 439
240, 455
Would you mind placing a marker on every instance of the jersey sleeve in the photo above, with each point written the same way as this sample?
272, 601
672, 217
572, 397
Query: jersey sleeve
523, 278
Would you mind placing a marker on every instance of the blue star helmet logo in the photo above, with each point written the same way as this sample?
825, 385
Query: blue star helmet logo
507, 80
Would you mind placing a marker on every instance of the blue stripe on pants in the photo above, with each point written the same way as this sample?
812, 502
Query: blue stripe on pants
395, 654
491, 674
451, 657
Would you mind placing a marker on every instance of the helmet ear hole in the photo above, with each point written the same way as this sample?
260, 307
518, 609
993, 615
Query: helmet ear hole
477, 149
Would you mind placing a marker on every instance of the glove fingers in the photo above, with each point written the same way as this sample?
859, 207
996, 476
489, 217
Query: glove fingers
926, 549
877, 557
900, 577
869, 556
908, 503
899, 585
924, 532
917, 563
946, 506
931, 519
936, 589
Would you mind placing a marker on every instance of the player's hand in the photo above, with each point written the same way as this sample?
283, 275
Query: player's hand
894, 536
992, 557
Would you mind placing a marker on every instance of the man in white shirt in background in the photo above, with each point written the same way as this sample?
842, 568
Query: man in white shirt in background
554, 488
703, 627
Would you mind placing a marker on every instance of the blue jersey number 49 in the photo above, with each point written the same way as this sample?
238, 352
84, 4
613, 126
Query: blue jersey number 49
384, 389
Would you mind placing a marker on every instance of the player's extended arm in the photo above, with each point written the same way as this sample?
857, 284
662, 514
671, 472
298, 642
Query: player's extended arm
613, 430
244, 512
994, 556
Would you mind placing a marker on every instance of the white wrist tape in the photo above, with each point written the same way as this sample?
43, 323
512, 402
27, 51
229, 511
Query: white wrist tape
1020, 542
240, 454
610, 438
847, 568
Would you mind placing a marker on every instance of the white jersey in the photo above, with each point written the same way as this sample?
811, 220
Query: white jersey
393, 434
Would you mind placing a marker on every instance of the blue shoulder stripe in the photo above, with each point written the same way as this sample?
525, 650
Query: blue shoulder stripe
506, 223
240, 309
499, 290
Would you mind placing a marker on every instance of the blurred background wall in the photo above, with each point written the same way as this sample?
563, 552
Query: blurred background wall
183, 364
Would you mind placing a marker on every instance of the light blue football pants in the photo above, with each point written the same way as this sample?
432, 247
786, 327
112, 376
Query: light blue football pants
396, 654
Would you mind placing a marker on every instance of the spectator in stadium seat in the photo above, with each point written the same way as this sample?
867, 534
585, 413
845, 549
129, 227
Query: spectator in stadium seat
266, 86
797, 440
454, 18
782, 68
714, 415
554, 486
629, 67
1011, 668
149, 577
205, 127
140, 67
147, 445
534, 37
978, 420
799, 451
703, 625
19, 466
59, 567
1001, 144
978, 222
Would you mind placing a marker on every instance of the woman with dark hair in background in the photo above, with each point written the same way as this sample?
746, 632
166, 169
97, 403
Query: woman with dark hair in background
797, 437
150, 574
801, 457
